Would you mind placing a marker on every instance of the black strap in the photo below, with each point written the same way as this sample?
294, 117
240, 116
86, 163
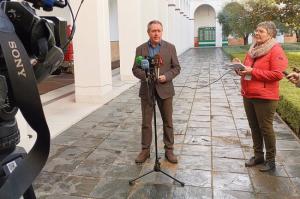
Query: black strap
26, 96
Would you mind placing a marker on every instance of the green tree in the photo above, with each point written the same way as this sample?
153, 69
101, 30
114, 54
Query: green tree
289, 15
262, 10
234, 20
241, 19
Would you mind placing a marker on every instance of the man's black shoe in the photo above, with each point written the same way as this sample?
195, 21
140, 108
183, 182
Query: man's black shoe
268, 166
254, 161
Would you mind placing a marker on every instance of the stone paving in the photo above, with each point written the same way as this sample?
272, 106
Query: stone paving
95, 157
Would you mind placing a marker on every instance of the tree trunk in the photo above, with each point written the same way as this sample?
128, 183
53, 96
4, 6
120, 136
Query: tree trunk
246, 39
298, 35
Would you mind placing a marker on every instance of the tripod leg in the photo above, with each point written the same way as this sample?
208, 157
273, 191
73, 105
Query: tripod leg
29, 194
181, 183
132, 181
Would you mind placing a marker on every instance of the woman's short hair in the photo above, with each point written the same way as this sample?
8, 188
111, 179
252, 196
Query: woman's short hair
153, 22
270, 27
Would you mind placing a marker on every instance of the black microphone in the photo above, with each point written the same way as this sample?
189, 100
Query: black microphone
285, 73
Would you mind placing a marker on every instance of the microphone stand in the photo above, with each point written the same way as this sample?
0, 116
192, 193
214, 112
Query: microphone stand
151, 82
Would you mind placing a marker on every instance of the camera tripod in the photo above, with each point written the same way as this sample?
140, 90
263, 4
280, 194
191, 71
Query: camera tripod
152, 78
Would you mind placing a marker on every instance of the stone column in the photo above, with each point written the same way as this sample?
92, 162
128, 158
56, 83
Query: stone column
163, 17
172, 22
219, 37
129, 18
92, 55
191, 25
178, 29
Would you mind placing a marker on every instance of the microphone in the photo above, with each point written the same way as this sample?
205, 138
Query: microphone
158, 61
138, 60
285, 73
145, 66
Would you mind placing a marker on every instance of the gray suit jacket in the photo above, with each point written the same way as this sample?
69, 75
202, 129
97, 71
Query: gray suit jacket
170, 69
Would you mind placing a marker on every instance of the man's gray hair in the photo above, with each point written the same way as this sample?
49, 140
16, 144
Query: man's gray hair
270, 27
153, 22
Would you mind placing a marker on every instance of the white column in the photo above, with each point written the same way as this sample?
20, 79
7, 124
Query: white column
177, 31
92, 58
172, 23
182, 31
187, 33
129, 35
163, 17
191, 26
149, 11
218, 34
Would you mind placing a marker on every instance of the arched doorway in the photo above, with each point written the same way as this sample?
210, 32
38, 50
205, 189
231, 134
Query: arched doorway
205, 26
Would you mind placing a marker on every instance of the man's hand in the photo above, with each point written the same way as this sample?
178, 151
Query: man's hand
294, 77
162, 79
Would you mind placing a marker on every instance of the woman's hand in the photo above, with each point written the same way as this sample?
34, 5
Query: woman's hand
247, 71
238, 61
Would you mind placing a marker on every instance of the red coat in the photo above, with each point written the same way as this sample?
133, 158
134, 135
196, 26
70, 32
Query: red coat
266, 73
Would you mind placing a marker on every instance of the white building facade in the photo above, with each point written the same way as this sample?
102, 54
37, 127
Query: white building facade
206, 26
101, 22
107, 30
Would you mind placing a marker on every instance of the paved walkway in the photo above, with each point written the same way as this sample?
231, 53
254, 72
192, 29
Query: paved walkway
95, 157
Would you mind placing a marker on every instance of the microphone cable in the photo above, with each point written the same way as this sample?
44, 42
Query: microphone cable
227, 72
74, 18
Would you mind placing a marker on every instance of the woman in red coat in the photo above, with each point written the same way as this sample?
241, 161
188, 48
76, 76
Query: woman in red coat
265, 62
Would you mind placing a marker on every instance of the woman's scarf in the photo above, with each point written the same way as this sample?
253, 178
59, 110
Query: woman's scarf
260, 50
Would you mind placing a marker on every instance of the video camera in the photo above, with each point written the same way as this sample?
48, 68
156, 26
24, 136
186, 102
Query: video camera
31, 48
42, 37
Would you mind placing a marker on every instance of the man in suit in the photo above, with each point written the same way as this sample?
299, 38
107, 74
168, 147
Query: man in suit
163, 89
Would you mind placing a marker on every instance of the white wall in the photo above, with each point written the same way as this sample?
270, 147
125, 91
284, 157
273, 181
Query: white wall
113, 20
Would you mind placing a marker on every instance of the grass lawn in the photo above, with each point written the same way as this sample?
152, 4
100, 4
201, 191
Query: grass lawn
289, 104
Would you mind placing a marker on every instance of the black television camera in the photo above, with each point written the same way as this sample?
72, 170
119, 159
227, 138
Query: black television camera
31, 48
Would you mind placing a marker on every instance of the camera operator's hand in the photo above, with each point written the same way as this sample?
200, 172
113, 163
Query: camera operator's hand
162, 79
294, 77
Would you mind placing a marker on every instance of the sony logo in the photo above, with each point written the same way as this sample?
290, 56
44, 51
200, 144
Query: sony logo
17, 58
